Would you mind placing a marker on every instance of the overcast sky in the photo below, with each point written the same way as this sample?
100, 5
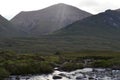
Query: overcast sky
9, 8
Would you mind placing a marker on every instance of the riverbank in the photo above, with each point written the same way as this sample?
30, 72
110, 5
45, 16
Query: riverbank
23, 64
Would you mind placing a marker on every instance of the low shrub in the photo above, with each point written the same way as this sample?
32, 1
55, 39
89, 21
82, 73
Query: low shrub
71, 66
102, 64
3, 74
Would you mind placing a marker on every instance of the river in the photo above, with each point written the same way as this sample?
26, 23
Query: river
80, 74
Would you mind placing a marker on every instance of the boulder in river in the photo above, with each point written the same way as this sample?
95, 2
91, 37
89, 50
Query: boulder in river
79, 78
57, 77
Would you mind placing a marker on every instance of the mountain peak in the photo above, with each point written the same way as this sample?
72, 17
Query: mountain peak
56, 7
109, 10
62, 4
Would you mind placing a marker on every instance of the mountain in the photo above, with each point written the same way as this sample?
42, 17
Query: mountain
97, 32
7, 29
47, 20
103, 24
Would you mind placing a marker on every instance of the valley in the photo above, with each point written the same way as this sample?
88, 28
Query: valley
60, 37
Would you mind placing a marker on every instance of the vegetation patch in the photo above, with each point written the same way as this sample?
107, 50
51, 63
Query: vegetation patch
71, 66
3, 73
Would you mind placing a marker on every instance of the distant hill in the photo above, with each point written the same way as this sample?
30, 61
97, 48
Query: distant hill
47, 20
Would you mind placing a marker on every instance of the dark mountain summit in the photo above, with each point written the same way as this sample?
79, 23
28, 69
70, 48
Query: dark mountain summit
49, 19
7, 29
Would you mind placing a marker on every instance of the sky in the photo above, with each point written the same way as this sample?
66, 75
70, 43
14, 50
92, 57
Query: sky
9, 8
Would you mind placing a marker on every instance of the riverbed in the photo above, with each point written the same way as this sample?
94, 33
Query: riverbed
80, 74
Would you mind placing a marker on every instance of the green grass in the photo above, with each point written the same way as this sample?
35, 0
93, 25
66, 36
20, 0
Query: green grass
63, 44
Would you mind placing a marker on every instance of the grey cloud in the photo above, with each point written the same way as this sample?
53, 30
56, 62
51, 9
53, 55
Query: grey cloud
89, 3
96, 6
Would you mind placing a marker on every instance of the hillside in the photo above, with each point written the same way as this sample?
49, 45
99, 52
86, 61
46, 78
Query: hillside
7, 29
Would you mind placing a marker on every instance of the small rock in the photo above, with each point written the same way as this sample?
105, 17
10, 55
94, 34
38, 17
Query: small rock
57, 77
65, 75
91, 78
79, 78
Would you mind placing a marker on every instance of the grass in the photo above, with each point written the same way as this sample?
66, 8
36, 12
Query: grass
51, 44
